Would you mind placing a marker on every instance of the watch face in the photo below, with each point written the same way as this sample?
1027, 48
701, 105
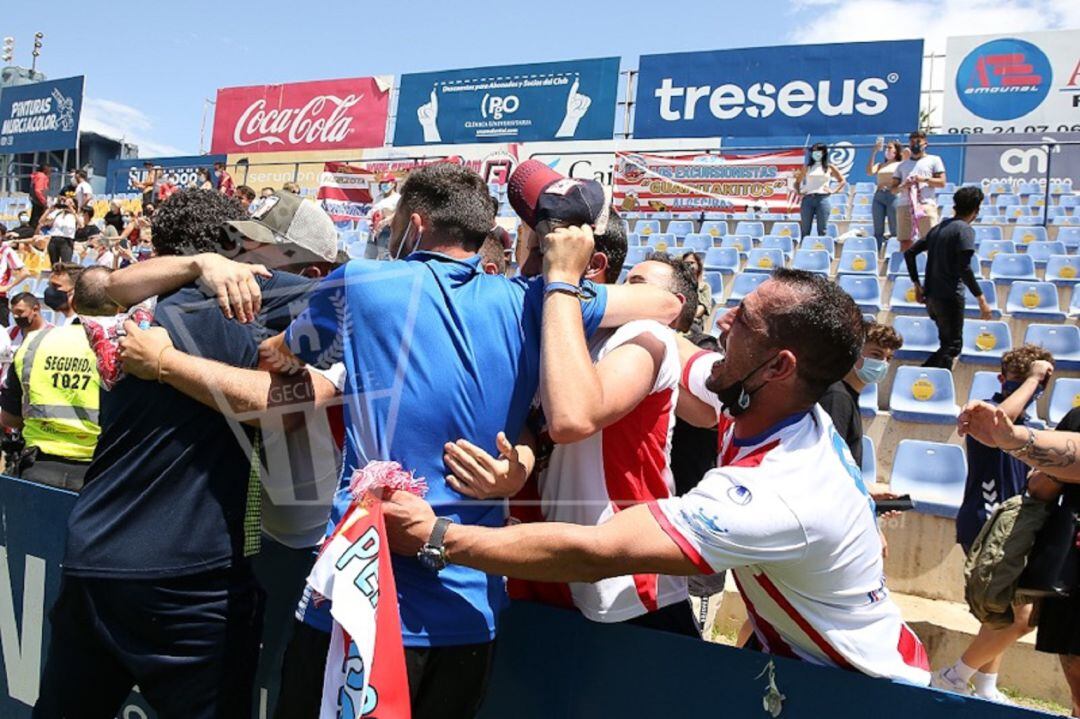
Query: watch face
432, 558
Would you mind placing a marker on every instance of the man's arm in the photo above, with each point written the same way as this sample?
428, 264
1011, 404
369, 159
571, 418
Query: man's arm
689, 408
912, 266
243, 394
631, 542
1038, 376
1053, 452
11, 400
233, 283
626, 303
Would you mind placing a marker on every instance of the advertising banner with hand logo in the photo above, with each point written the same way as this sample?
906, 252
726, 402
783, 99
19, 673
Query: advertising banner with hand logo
1013, 83
41, 116
572, 100
323, 115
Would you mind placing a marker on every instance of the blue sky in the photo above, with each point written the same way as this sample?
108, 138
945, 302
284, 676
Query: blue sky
149, 65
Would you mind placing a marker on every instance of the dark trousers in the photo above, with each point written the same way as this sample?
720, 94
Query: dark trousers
5, 310
190, 643
56, 472
60, 249
948, 315
36, 211
444, 682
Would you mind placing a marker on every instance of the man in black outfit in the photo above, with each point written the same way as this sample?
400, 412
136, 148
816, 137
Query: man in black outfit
949, 247
841, 399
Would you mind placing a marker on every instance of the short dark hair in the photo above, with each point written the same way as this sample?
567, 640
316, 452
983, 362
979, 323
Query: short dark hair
453, 199
495, 205
192, 221
246, 192
81, 173
683, 282
824, 329
43, 167
70, 269
613, 244
28, 297
148, 164
966, 200
219, 165
91, 297
917, 134
492, 251
88, 212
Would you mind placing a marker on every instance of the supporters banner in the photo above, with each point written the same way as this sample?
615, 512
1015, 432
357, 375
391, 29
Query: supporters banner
1020, 82
41, 116
695, 183
573, 100
849, 88
345, 191
322, 115
121, 174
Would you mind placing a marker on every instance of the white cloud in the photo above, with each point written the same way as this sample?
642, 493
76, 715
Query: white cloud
934, 20
120, 121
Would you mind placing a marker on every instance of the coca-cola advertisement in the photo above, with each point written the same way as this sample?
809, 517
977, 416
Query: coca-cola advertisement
322, 115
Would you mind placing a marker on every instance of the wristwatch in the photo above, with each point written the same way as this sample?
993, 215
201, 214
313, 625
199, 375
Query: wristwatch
433, 554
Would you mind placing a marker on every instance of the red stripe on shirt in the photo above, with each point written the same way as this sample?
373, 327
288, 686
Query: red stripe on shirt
690, 363
774, 643
752, 459
682, 542
912, 650
829, 650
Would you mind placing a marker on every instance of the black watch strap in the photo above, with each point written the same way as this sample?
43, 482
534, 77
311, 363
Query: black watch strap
438, 532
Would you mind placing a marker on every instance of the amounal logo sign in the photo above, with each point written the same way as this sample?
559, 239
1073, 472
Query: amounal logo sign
1004, 79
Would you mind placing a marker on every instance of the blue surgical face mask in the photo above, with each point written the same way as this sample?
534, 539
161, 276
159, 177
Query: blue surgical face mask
1009, 386
872, 370
816, 155
385, 188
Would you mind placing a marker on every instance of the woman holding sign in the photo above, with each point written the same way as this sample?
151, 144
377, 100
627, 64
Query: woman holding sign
814, 182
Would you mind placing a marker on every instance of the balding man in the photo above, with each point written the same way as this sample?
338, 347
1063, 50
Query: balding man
786, 509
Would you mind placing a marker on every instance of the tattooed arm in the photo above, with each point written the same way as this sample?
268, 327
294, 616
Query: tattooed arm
1053, 452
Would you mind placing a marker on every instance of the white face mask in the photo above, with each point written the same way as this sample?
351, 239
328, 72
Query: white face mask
402, 250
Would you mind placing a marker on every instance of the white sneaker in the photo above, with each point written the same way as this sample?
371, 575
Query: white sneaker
995, 695
946, 679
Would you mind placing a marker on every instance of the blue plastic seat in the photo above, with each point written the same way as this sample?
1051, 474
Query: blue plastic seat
1070, 236
866, 291
635, 255
864, 199
680, 228
868, 400
1006, 200
722, 259
898, 266
860, 244
819, 242
923, 394
697, 243
1063, 269
1007, 267
985, 341
1034, 301
987, 232
784, 243
971, 303
869, 461
864, 188
934, 474
764, 260
1062, 220
714, 228
858, 262
715, 281
633, 240
902, 297
816, 261
891, 245
647, 227
920, 337
1064, 397
748, 227
984, 385
661, 242
1028, 187
1041, 251
743, 284
787, 229
987, 250
740, 243
1062, 341
1069, 201
1026, 234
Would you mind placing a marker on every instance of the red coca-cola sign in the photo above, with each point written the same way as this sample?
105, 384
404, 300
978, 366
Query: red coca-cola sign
322, 115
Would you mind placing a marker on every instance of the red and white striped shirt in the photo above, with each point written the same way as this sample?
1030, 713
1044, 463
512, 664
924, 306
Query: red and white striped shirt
10, 263
787, 512
626, 463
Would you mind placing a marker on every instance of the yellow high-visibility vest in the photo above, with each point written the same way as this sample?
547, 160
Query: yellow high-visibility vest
61, 392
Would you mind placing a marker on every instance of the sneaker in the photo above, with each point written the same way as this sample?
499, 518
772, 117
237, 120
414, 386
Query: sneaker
995, 695
946, 679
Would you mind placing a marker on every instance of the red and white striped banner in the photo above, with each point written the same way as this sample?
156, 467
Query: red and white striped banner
345, 191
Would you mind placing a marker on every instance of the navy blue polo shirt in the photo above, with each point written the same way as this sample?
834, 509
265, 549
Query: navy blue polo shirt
993, 476
434, 350
167, 490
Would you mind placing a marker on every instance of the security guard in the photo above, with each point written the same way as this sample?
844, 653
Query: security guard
52, 395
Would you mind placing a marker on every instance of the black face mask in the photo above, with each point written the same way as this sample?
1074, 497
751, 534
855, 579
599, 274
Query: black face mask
56, 299
22, 322
735, 397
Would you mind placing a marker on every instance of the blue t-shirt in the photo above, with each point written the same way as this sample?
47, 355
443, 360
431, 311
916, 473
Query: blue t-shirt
434, 350
167, 490
993, 476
